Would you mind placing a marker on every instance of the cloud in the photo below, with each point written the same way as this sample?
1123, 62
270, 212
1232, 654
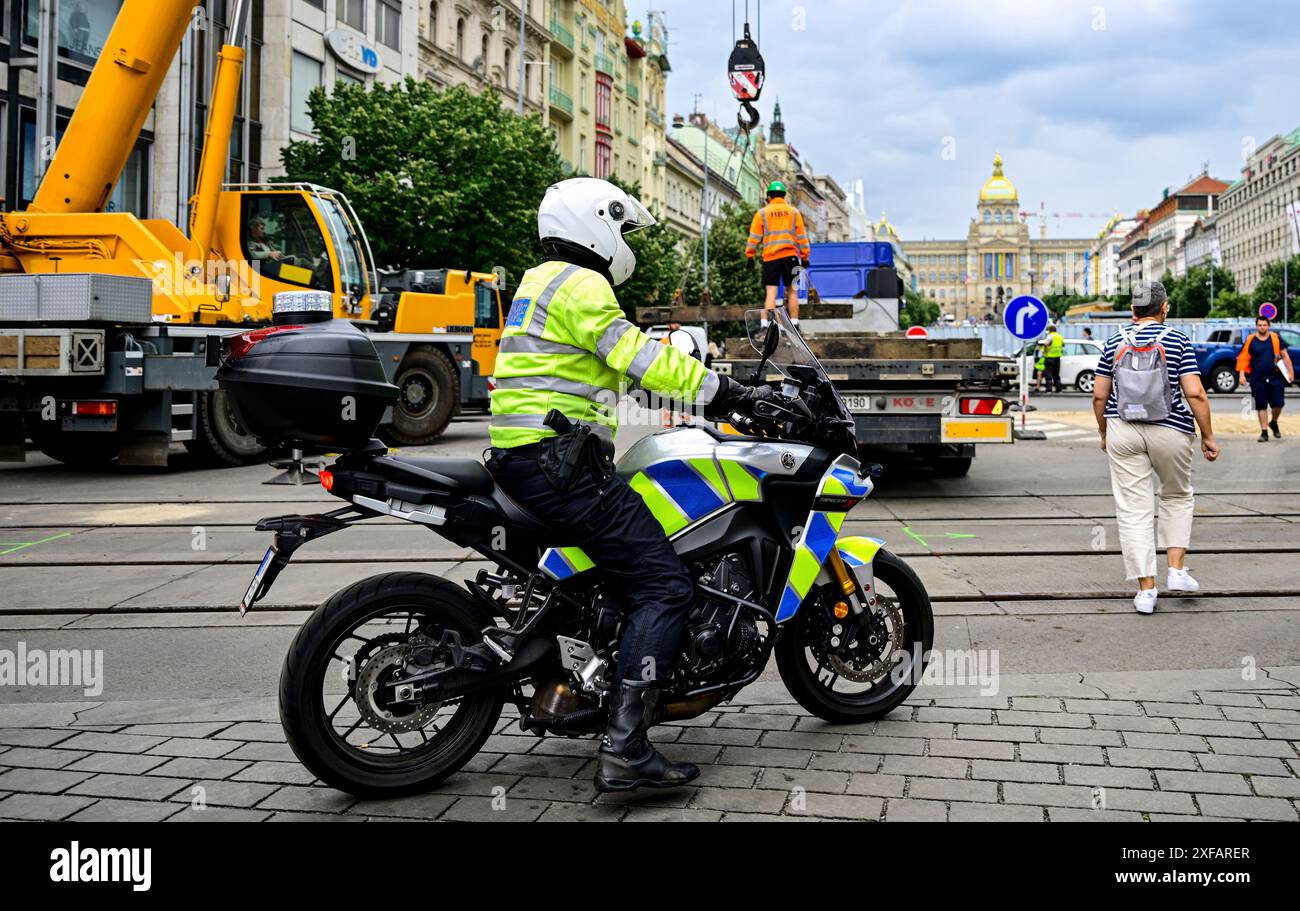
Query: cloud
1093, 105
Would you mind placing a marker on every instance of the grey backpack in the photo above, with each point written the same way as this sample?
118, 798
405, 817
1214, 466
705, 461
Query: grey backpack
1141, 377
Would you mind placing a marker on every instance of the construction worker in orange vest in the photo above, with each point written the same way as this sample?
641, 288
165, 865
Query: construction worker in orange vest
779, 228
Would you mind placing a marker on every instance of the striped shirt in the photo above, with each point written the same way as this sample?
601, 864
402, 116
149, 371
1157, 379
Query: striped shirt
1179, 356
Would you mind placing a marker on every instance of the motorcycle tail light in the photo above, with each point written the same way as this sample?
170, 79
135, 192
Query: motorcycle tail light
982, 406
327, 479
243, 343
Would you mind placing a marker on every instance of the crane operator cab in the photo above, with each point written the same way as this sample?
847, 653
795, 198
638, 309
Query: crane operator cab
294, 237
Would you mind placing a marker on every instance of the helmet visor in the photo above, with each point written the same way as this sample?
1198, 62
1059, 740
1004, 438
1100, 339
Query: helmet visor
638, 217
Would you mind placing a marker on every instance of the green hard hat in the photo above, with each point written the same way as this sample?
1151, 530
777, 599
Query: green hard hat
775, 187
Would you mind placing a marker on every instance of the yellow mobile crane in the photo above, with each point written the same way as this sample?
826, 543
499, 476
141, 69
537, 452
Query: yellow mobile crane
104, 316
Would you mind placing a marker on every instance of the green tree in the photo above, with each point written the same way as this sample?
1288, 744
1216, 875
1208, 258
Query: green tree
1270, 285
731, 282
1189, 296
439, 178
1230, 303
918, 310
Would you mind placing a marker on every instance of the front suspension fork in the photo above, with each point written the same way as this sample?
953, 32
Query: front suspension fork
852, 600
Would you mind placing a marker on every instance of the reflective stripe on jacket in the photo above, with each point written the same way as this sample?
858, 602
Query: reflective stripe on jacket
567, 346
779, 227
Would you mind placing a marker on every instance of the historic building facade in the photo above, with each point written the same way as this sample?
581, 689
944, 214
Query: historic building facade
975, 277
1254, 227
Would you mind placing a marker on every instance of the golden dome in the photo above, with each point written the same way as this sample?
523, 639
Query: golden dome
997, 187
884, 227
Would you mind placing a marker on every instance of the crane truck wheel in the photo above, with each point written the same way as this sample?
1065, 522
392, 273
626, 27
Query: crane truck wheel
218, 438
79, 449
429, 393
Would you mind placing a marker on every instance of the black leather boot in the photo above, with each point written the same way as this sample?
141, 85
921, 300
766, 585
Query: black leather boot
626, 759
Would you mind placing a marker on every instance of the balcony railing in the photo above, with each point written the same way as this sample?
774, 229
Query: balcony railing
562, 100
604, 63
562, 34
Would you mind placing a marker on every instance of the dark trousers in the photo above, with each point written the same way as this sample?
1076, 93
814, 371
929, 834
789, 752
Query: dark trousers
615, 528
1053, 371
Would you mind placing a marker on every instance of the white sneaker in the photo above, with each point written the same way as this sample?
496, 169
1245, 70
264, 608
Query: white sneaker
1180, 580
1145, 601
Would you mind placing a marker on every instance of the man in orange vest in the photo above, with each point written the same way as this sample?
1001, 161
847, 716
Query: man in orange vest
778, 226
1266, 363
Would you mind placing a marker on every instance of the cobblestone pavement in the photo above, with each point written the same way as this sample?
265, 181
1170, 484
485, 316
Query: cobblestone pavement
1115, 746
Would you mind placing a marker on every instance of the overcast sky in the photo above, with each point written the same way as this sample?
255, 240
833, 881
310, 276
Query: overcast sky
1094, 106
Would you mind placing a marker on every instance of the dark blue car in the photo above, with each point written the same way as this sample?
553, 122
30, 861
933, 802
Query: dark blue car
1217, 356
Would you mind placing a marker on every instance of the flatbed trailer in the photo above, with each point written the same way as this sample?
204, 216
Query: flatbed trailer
88, 393
937, 409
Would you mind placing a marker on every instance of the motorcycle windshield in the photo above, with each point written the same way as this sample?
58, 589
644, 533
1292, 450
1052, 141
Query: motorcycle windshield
792, 356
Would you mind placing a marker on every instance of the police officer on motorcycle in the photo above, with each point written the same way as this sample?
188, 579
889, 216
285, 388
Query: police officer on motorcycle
566, 354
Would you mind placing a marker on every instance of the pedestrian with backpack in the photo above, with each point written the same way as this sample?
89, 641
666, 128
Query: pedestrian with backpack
1149, 400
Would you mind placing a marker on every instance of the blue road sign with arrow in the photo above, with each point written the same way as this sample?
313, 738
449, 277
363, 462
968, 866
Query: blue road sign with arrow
1026, 317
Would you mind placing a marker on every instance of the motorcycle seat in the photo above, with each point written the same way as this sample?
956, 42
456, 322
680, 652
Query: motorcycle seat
467, 476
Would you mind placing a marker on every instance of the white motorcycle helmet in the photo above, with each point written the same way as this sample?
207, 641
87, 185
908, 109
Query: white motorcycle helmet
594, 216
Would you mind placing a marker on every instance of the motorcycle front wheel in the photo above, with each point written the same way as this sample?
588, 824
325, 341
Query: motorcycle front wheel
850, 671
332, 690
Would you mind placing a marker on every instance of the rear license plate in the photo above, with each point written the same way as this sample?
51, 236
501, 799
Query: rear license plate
253, 586
899, 403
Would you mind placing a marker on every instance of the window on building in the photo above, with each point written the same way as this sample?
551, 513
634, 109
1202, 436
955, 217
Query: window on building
305, 76
528, 78
988, 217
509, 66
388, 23
460, 39
83, 26
353, 13
604, 94
433, 21
483, 54
604, 150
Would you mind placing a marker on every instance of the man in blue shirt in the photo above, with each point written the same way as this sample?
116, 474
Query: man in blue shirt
1259, 362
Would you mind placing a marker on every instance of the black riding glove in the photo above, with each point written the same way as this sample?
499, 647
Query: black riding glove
733, 397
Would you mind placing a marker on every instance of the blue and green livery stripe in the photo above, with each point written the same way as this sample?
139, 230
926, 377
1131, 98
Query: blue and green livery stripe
858, 551
562, 563
810, 553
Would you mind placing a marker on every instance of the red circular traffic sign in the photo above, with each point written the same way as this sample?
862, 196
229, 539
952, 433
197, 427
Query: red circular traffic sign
917, 332
1268, 311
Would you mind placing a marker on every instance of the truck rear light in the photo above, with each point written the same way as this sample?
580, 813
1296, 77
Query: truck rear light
988, 405
241, 344
327, 479
94, 409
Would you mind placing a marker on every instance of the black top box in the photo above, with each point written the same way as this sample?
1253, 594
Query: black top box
319, 386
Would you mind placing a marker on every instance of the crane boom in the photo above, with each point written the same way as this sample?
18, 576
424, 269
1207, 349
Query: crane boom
117, 98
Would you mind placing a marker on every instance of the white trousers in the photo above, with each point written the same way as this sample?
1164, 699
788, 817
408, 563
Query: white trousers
1140, 454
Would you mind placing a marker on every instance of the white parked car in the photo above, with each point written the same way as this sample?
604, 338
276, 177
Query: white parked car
1078, 362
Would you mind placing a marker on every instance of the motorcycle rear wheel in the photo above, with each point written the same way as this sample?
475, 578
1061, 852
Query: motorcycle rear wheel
813, 684
362, 761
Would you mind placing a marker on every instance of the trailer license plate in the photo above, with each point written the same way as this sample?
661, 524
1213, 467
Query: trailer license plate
253, 586
972, 431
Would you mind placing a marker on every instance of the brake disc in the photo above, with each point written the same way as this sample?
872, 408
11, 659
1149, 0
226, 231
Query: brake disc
388, 719
865, 659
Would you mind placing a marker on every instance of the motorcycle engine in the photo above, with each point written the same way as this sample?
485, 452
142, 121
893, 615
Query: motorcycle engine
720, 634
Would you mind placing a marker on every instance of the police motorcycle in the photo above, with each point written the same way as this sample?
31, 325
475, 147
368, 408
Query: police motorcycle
396, 681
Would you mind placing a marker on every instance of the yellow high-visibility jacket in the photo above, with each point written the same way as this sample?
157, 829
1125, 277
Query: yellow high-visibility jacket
567, 346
